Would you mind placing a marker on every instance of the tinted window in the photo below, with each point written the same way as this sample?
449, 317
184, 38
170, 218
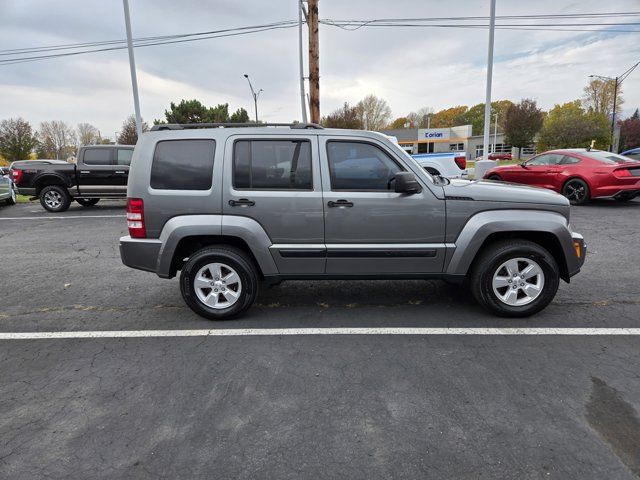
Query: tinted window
97, 156
183, 165
569, 160
605, 157
124, 157
547, 159
634, 156
360, 166
272, 164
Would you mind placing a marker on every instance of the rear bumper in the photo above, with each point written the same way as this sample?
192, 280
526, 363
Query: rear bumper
140, 253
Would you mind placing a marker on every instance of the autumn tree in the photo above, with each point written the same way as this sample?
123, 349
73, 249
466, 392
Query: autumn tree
570, 125
398, 123
17, 139
373, 112
343, 117
57, 139
598, 96
630, 132
449, 117
128, 133
523, 121
87, 134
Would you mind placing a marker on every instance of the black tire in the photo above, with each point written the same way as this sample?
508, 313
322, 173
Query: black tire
12, 198
227, 255
494, 177
87, 202
577, 191
55, 198
490, 260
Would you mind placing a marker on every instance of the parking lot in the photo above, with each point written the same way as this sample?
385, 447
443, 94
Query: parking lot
459, 402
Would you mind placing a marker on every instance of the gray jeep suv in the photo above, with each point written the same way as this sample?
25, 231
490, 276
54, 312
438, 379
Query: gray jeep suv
231, 205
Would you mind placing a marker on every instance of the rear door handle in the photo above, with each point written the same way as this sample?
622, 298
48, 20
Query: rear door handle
120, 171
340, 203
243, 202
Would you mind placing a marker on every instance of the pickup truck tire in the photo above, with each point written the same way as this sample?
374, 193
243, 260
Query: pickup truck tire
87, 202
55, 198
219, 282
514, 278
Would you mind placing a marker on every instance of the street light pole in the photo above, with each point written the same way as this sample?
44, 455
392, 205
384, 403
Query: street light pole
301, 59
254, 95
132, 67
495, 134
487, 106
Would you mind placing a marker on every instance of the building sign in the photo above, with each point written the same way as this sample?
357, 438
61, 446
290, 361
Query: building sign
434, 133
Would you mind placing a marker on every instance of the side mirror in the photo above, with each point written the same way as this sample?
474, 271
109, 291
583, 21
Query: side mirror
523, 165
405, 182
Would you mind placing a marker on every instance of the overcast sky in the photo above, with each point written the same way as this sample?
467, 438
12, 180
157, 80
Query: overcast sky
409, 67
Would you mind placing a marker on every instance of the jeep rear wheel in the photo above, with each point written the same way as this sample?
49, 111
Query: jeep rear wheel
515, 279
55, 198
219, 282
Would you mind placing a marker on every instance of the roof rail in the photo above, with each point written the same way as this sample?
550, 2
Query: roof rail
184, 126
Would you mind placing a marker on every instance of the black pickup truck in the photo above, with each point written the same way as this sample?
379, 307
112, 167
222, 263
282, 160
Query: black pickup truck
101, 171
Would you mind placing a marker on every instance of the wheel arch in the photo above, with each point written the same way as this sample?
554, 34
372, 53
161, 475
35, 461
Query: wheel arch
49, 179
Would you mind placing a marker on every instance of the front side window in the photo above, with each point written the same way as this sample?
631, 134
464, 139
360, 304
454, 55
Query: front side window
183, 165
124, 156
272, 165
547, 159
360, 166
97, 156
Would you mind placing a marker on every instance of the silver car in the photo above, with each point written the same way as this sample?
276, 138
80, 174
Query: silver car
7, 190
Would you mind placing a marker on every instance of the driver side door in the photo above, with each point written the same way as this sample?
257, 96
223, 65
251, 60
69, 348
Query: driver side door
369, 228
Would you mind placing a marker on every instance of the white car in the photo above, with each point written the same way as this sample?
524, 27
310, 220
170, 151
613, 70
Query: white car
446, 164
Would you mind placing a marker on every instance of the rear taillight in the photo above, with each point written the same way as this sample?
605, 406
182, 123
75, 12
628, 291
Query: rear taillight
17, 176
135, 218
623, 172
461, 162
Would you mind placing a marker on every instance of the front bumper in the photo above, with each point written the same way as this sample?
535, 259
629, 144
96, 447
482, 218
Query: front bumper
140, 253
580, 253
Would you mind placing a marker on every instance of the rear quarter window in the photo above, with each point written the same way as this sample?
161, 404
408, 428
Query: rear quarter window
97, 156
183, 165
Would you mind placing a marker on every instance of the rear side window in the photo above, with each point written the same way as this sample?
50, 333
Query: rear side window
183, 165
97, 156
124, 156
272, 165
360, 166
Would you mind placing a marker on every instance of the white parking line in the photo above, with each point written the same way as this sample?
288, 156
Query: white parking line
63, 217
242, 332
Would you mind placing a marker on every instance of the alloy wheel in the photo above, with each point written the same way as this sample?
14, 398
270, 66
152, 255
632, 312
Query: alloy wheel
575, 191
518, 281
52, 199
217, 285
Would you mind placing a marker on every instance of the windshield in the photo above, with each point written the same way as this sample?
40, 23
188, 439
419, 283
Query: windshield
406, 155
607, 157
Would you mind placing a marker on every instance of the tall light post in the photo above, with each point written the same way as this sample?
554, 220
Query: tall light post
485, 164
617, 81
254, 94
303, 104
495, 134
132, 67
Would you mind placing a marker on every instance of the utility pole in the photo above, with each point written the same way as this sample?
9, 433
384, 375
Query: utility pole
495, 133
481, 168
303, 104
132, 67
314, 61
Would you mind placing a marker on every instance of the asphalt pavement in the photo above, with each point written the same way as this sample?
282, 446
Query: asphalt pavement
309, 406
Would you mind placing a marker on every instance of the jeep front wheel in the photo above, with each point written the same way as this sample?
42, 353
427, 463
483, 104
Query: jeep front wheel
515, 279
219, 282
55, 198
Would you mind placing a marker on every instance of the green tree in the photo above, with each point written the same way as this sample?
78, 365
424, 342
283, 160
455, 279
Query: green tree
344, 117
523, 121
128, 133
475, 115
449, 117
569, 126
239, 116
193, 111
17, 139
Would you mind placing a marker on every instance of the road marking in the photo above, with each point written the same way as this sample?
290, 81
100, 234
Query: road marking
66, 216
242, 332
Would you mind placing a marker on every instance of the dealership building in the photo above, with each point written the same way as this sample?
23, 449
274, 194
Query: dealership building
458, 139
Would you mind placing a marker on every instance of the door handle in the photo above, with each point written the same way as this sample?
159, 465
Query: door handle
340, 203
243, 202
120, 171
85, 171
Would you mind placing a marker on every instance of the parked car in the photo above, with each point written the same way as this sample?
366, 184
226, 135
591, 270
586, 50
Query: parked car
633, 154
231, 206
500, 156
446, 164
101, 172
579, 174
7, 190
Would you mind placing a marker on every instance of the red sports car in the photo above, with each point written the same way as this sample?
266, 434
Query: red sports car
579, 174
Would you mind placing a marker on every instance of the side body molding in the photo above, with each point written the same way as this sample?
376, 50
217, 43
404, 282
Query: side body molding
244, 228
483, 224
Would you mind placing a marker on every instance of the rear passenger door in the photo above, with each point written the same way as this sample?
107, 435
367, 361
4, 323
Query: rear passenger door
96, 172
275, 180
